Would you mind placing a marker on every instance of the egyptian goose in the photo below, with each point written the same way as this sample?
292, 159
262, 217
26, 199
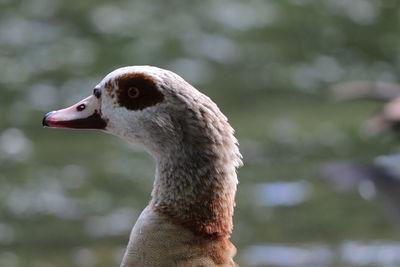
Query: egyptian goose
188, 221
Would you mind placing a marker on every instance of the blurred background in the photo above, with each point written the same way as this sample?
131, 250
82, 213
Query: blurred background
316, 189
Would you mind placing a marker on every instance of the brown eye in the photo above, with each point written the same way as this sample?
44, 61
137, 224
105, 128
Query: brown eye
133, 92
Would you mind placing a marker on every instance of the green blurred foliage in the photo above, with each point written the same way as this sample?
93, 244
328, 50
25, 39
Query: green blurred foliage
267, 63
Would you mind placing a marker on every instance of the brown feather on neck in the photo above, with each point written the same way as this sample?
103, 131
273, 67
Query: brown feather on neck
199, 174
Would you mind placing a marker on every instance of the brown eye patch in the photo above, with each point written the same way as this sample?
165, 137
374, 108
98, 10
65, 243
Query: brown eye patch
137, 91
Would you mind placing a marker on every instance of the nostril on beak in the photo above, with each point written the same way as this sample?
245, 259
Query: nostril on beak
81, 107
44, 121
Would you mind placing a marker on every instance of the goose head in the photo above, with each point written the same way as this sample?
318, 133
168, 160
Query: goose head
148, 106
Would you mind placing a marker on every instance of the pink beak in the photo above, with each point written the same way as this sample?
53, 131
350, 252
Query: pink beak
83, 115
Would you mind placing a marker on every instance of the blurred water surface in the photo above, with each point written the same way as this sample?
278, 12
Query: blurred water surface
70, 198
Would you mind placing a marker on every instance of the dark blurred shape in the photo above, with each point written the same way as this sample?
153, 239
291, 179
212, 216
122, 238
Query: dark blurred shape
378, 180
389, 117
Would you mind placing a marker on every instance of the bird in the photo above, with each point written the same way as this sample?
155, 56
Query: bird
388, 118
188, 221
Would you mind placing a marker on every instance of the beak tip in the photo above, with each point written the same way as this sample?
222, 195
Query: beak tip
44, 121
